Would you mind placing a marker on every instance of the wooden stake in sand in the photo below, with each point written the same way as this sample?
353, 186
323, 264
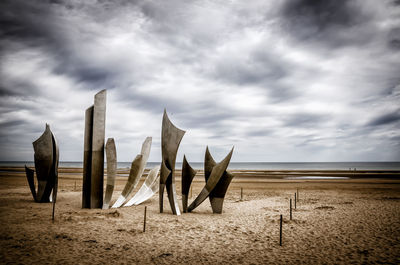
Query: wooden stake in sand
280, 231
54, 208
144, 221
241, 194
75, 186
290, 209
295, 200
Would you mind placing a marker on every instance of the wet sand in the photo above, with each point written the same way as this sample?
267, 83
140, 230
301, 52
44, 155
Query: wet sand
355, 220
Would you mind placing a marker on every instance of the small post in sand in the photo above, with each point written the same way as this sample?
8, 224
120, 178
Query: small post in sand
241, 194
280, 231
75, 186
295, 200
144, 221
54, 208
290, 208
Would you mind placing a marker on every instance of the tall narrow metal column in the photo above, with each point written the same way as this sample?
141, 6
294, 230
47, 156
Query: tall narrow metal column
93, 160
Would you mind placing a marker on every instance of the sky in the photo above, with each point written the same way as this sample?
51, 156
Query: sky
281, 81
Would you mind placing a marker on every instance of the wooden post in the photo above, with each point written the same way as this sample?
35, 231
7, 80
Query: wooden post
54, 207
144, 222
295, 200
75, 186
241, 194
290, 209
280, 231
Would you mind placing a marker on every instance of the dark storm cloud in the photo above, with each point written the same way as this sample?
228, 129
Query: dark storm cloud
327, 21
37, 24
224, 69
385, 119
25, 21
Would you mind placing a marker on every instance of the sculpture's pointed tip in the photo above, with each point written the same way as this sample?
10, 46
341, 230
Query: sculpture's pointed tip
102, 91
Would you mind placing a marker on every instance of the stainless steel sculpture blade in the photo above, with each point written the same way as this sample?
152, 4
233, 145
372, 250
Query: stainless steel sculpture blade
164, 173
216, 174
43, 148
149, 193
171, 137
87, 158
135, 173
111, 154
131, 179
217, 195
143, 191
97, 172
54, 170
93, 159
31, 181
46, 165
188, 174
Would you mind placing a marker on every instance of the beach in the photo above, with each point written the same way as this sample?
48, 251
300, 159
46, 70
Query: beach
350, 218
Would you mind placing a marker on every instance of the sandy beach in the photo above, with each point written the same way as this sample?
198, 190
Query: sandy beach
336, 221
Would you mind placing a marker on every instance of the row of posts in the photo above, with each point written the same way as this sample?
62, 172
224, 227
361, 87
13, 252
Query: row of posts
296, 199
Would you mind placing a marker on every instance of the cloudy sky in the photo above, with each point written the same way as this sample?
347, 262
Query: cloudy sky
288, 80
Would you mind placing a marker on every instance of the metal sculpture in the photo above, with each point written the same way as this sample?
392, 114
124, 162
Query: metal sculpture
217, 195
171, 137
188, 174
111, 154
135, 173
145, 191
215, 176
46, 166
93, 159
153, 190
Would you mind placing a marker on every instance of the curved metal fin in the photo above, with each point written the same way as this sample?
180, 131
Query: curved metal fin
135, 173
212, 181
43, 148
188, 174
171, 137
209, 163
31, 181
131, 180
151, 188
164, 173
217, 195
111, 154
151, 177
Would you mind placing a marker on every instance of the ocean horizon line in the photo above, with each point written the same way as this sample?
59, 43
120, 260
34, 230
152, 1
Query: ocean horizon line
374, 165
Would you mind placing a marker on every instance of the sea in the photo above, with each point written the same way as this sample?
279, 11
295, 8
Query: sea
248, 165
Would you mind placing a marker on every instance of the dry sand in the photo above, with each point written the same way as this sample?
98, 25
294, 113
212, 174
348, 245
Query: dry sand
336, 222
